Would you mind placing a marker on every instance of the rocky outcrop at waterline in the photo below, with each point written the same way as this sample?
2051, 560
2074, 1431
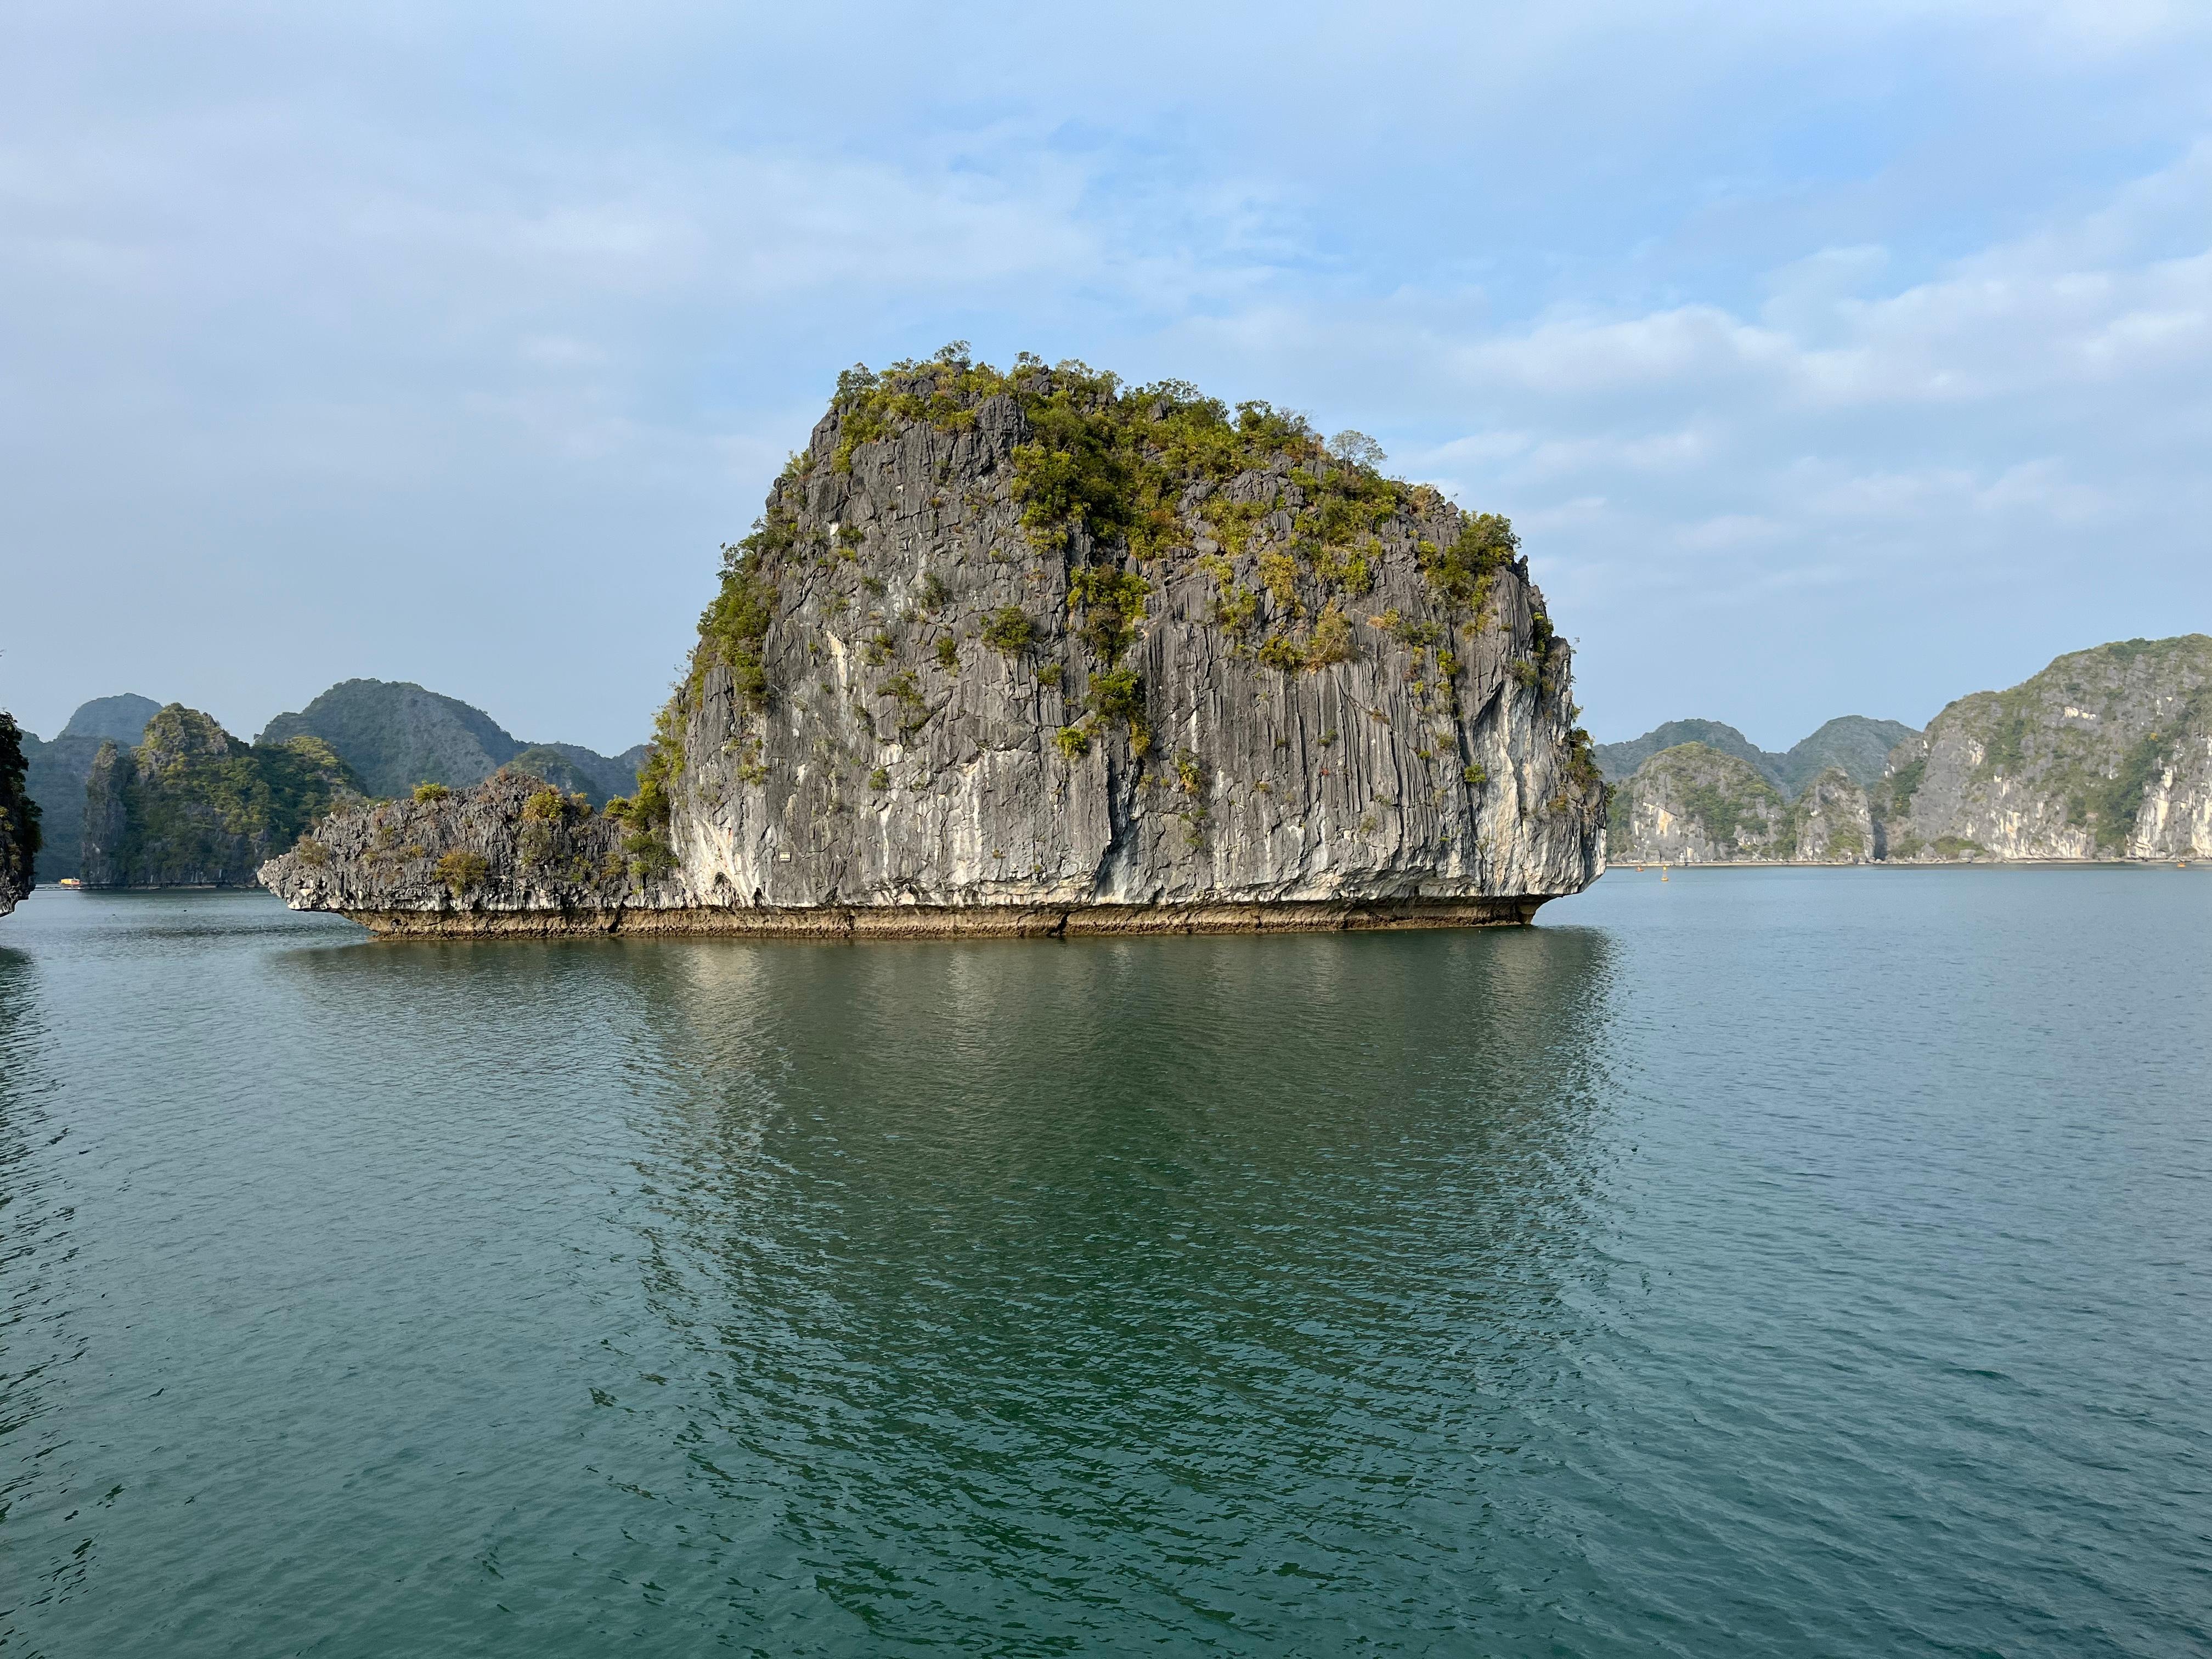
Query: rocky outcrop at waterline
1032, 652
18, 819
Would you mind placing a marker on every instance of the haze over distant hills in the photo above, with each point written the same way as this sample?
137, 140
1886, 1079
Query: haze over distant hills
395, 734
58, 768
121, 718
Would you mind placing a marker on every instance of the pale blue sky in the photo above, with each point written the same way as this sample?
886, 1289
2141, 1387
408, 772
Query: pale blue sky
1830, 359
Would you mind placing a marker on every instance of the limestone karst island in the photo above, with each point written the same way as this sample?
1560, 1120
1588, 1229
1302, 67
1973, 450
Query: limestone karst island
1032, 652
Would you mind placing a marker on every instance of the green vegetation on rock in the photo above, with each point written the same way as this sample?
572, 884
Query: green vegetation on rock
1118, 491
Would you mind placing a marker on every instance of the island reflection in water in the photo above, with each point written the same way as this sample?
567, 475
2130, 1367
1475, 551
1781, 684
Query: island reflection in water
1122, 1275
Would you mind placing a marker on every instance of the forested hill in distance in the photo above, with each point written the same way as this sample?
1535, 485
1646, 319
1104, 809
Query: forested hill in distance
395, 734
1858, 746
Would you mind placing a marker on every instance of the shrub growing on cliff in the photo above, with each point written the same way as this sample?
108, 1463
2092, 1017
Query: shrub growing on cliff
1111, 602
1332, 639
461, 870
737, 623
1463, 572
1008, 630
913, 710
427, 792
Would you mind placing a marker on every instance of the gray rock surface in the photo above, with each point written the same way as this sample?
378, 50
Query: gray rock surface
912, 704
513, 843
1830, 820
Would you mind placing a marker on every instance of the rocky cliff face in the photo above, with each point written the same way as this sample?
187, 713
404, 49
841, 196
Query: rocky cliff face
2105, 754
531, 849
1830, 820
18, 819
2102, 755
1693, 805
1031, 650
192, 806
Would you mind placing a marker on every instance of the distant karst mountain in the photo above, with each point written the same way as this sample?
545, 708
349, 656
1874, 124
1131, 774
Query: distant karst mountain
58, 768
395, 734
2107, 753
1854, 743
192, 806
119, 718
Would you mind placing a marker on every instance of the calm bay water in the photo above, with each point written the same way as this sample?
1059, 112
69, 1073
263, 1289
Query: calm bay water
1783, 1262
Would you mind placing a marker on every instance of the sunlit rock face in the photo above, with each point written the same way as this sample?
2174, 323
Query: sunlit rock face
2107, 753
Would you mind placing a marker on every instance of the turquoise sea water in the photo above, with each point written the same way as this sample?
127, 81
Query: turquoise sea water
1764, 1262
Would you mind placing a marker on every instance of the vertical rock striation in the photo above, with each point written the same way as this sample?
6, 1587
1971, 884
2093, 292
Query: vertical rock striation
1033, 651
